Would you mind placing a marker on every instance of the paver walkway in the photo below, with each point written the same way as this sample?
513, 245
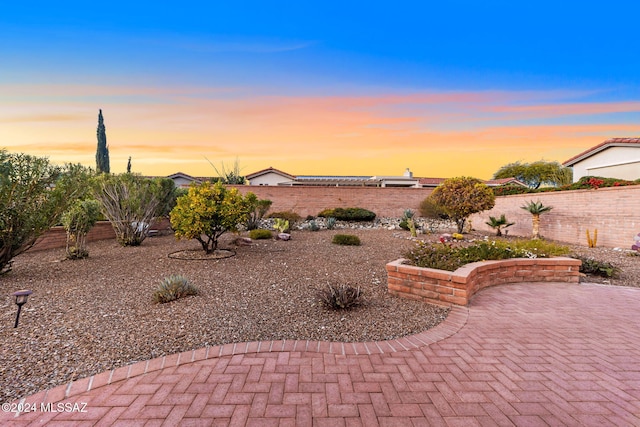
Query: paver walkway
524, 355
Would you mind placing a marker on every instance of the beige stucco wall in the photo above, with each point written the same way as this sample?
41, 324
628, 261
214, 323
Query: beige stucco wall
613, 162
268, 179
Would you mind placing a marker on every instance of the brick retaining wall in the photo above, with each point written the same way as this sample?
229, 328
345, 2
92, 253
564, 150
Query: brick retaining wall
457, 287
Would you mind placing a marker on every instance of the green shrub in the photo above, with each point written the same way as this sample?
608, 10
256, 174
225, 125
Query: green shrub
597, 268
348, 214
346, 239
339, 297
290, 216
260, 233
449, 257
404, 224
505, 190
172, 288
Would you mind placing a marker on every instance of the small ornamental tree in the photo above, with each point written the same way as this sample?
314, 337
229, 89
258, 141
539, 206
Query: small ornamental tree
77, 221
460, 197
33, 195
209, 210
130, 202
536, 209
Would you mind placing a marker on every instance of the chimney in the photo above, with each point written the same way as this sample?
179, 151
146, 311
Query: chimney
408, 173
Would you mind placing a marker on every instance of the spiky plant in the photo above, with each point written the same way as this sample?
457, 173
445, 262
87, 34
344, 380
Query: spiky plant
499, 223
339, 297
173, 287
536, 209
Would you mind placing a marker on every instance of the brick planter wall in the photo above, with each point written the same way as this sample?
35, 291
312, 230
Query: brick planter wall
457, 287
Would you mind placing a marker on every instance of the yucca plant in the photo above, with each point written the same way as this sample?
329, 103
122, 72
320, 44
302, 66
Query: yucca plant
499, 223
536, 209
173, 287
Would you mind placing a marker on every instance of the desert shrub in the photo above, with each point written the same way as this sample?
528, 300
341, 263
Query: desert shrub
173, 287
462, 196
346, 240
340, 297
330, 223
130, 202
313, 226
348, 214
310, 217
77, 221
290, 216
597, 268
281, 225
260, 233
257, 210
450, 257
207, 211
427, 255
506, 190
33, 196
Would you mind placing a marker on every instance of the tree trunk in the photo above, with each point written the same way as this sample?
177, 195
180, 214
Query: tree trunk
536, 226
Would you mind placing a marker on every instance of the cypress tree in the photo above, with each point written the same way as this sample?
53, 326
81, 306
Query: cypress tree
102, 153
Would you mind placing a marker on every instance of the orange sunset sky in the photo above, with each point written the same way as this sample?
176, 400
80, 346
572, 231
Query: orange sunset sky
305, 93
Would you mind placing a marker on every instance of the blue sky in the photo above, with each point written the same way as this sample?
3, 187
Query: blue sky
409, 84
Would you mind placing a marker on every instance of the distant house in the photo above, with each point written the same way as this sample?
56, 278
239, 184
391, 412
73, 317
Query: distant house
182, 180
272, 176
614, 158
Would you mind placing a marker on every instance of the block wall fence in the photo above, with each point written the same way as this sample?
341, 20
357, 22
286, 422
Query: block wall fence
384, 201
614, 211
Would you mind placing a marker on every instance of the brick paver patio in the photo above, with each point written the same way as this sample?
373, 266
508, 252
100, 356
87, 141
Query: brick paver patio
524, 355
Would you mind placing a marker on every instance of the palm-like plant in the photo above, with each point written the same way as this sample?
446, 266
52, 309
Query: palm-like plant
536, 209
499, 223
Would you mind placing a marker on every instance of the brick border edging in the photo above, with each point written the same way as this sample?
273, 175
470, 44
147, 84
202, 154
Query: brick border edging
456, 288
455, 320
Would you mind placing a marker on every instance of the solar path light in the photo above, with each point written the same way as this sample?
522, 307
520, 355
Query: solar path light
21, 299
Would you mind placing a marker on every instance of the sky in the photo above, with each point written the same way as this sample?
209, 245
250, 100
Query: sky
318, 88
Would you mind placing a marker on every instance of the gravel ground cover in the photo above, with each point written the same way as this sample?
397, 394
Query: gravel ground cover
92, 315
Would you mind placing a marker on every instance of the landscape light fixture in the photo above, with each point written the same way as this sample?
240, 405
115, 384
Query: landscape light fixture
21, 299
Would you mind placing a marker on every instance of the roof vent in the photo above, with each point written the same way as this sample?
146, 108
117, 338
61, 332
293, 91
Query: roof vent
408, 173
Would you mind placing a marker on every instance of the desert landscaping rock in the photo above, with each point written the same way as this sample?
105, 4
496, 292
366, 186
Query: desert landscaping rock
93, 315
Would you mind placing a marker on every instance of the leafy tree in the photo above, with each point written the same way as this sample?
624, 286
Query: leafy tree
77, 221
462, 196
33, 196
130, 202
499, 223
209, 210
536, 173
536, 209
102, 153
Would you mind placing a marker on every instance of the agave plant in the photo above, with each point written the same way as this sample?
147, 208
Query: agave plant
536, 209
499, 223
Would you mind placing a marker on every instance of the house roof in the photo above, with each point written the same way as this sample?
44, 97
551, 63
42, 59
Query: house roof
613, 142
270, 170
504, 181
431, 182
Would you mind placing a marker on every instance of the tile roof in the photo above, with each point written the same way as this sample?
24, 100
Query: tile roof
612, 142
